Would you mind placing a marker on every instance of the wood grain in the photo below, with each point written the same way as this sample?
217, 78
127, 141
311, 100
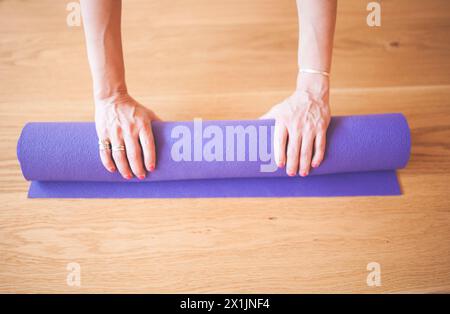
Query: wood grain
230, 60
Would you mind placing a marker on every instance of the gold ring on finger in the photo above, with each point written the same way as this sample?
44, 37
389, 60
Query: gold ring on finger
118, 148
104, 145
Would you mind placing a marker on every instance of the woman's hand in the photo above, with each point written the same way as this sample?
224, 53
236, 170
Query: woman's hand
125, 123
301, 122
119, 119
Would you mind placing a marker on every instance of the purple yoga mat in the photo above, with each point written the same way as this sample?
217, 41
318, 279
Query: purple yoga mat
61, 160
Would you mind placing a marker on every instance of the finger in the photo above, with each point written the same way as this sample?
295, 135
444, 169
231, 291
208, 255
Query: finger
134, 155
293, 150
306, 153
106, 158
280, 138
119, 156
148, 147
319, 149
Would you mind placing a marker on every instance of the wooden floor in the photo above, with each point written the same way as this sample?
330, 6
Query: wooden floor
230, 60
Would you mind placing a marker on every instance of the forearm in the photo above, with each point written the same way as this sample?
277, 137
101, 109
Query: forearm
317, 20
102, 27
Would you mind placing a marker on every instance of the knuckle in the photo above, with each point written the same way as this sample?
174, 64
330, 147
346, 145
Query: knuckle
318, 159
119, 158
292, 151
134, 164
146, 128
322, 125
318, 155
140, 123
308, 128
145, 141
307, 139
294, 131
128, 128
146, 134
319, 144
116, 132
114, 126
133, 156
304, 155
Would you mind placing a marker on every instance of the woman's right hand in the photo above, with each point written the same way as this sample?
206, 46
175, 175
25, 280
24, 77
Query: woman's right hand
126, 124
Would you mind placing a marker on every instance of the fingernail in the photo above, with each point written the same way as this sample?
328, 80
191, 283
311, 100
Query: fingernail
112, 169
315, 165
151, 168
291, 174
141, 177
128, 176
304, 173
280, 165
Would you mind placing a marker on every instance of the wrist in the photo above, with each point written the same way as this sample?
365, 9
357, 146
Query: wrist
313, 82
108, 85
110, 96
108, 90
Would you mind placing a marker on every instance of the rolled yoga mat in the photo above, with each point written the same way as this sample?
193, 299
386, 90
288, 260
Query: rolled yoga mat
217, 159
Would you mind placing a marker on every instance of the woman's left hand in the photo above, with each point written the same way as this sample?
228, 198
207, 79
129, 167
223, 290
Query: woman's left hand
301, 123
